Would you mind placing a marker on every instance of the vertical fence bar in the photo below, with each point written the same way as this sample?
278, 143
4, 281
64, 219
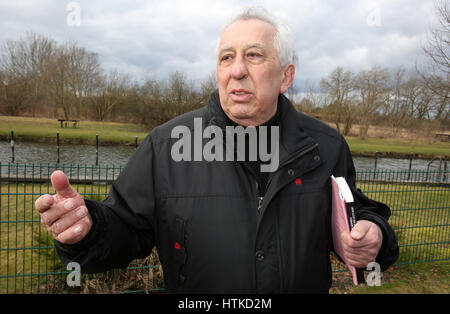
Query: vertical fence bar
444, 176
24, 227
12, 147
8, 201
32, 228
375, 165
96, 149
57, 147
411, 156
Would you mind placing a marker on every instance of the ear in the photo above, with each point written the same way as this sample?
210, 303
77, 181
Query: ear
288, 78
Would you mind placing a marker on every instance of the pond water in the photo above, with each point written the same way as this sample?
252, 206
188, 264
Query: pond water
36, 153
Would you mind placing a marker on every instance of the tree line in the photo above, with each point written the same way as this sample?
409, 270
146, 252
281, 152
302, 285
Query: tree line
398, 98
40, 77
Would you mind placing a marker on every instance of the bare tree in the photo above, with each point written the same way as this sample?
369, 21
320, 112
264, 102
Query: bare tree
373, 87
313, 98
151, 107
111, 90
85, 72
208, 86
340, 90
23, 64
400, 102
436, 74
15, 97
58, 76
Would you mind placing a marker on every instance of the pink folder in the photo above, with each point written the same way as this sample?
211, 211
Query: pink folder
340, 221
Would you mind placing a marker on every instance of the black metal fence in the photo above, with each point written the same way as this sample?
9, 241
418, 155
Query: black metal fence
419, 200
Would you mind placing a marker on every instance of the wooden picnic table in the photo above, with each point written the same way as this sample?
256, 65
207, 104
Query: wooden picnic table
443, 136
74, 121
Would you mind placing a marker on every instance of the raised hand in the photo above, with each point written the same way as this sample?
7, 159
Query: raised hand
64, 214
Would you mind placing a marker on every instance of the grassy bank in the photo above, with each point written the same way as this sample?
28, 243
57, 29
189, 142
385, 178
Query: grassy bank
111, 133
398, 148
44, 130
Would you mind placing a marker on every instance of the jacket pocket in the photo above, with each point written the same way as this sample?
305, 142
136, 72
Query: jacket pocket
179, 250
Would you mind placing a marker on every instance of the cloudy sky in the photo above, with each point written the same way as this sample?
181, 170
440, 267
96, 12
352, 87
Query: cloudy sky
156, 38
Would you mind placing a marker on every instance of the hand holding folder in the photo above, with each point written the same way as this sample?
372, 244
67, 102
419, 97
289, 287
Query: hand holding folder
343, 219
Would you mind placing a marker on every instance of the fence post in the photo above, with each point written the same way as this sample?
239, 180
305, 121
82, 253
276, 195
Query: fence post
375, 166
96, 149
12, 147
135, 143
57, 147
444, 176
411, 156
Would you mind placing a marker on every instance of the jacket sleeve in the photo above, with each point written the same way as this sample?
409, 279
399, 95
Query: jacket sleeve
123, 224
371, 210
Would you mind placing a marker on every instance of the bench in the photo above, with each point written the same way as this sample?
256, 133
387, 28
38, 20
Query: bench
74, 121
443, 136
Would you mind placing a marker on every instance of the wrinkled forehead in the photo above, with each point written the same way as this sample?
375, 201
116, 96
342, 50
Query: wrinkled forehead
248, 33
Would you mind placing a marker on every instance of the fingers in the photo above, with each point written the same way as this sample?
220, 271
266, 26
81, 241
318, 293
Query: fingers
360, 230
360, 257
68, 220
349, 242
61, 184
59, 209
362, 249
64, 214
43, 203
76, 232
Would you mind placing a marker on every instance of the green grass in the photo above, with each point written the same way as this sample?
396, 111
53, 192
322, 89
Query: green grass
425, 221
425, 278
398, 146
420, 216
44, 130
29, 263
25, 245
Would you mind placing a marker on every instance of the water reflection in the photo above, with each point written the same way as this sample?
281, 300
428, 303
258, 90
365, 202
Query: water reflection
36, 153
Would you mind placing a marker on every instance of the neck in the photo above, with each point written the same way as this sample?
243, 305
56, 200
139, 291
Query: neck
255, 122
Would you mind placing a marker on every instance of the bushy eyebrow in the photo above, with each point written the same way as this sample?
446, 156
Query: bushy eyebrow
249, 46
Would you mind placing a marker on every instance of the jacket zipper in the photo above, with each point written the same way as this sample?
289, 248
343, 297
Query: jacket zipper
300, 154
259, 199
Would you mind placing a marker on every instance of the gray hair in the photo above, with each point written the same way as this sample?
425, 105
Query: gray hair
283, 35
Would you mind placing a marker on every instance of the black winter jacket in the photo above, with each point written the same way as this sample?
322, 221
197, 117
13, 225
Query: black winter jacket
203, 218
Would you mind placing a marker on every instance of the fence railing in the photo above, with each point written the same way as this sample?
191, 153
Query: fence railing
419, 201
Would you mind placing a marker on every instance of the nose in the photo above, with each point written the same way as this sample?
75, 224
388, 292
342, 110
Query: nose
239, 70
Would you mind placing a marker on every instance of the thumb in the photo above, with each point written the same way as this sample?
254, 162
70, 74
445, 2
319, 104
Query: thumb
360, 229
61, 185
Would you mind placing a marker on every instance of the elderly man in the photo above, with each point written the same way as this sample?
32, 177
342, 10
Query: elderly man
224, 225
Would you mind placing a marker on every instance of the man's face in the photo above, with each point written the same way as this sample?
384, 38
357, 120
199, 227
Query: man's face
249, 74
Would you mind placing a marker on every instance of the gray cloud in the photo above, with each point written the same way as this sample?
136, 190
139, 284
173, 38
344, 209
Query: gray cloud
156, 38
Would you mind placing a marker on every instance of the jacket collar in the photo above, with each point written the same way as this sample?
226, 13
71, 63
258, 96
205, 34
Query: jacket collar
293, 138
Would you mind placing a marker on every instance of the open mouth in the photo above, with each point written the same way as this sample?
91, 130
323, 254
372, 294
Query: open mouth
240, 92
